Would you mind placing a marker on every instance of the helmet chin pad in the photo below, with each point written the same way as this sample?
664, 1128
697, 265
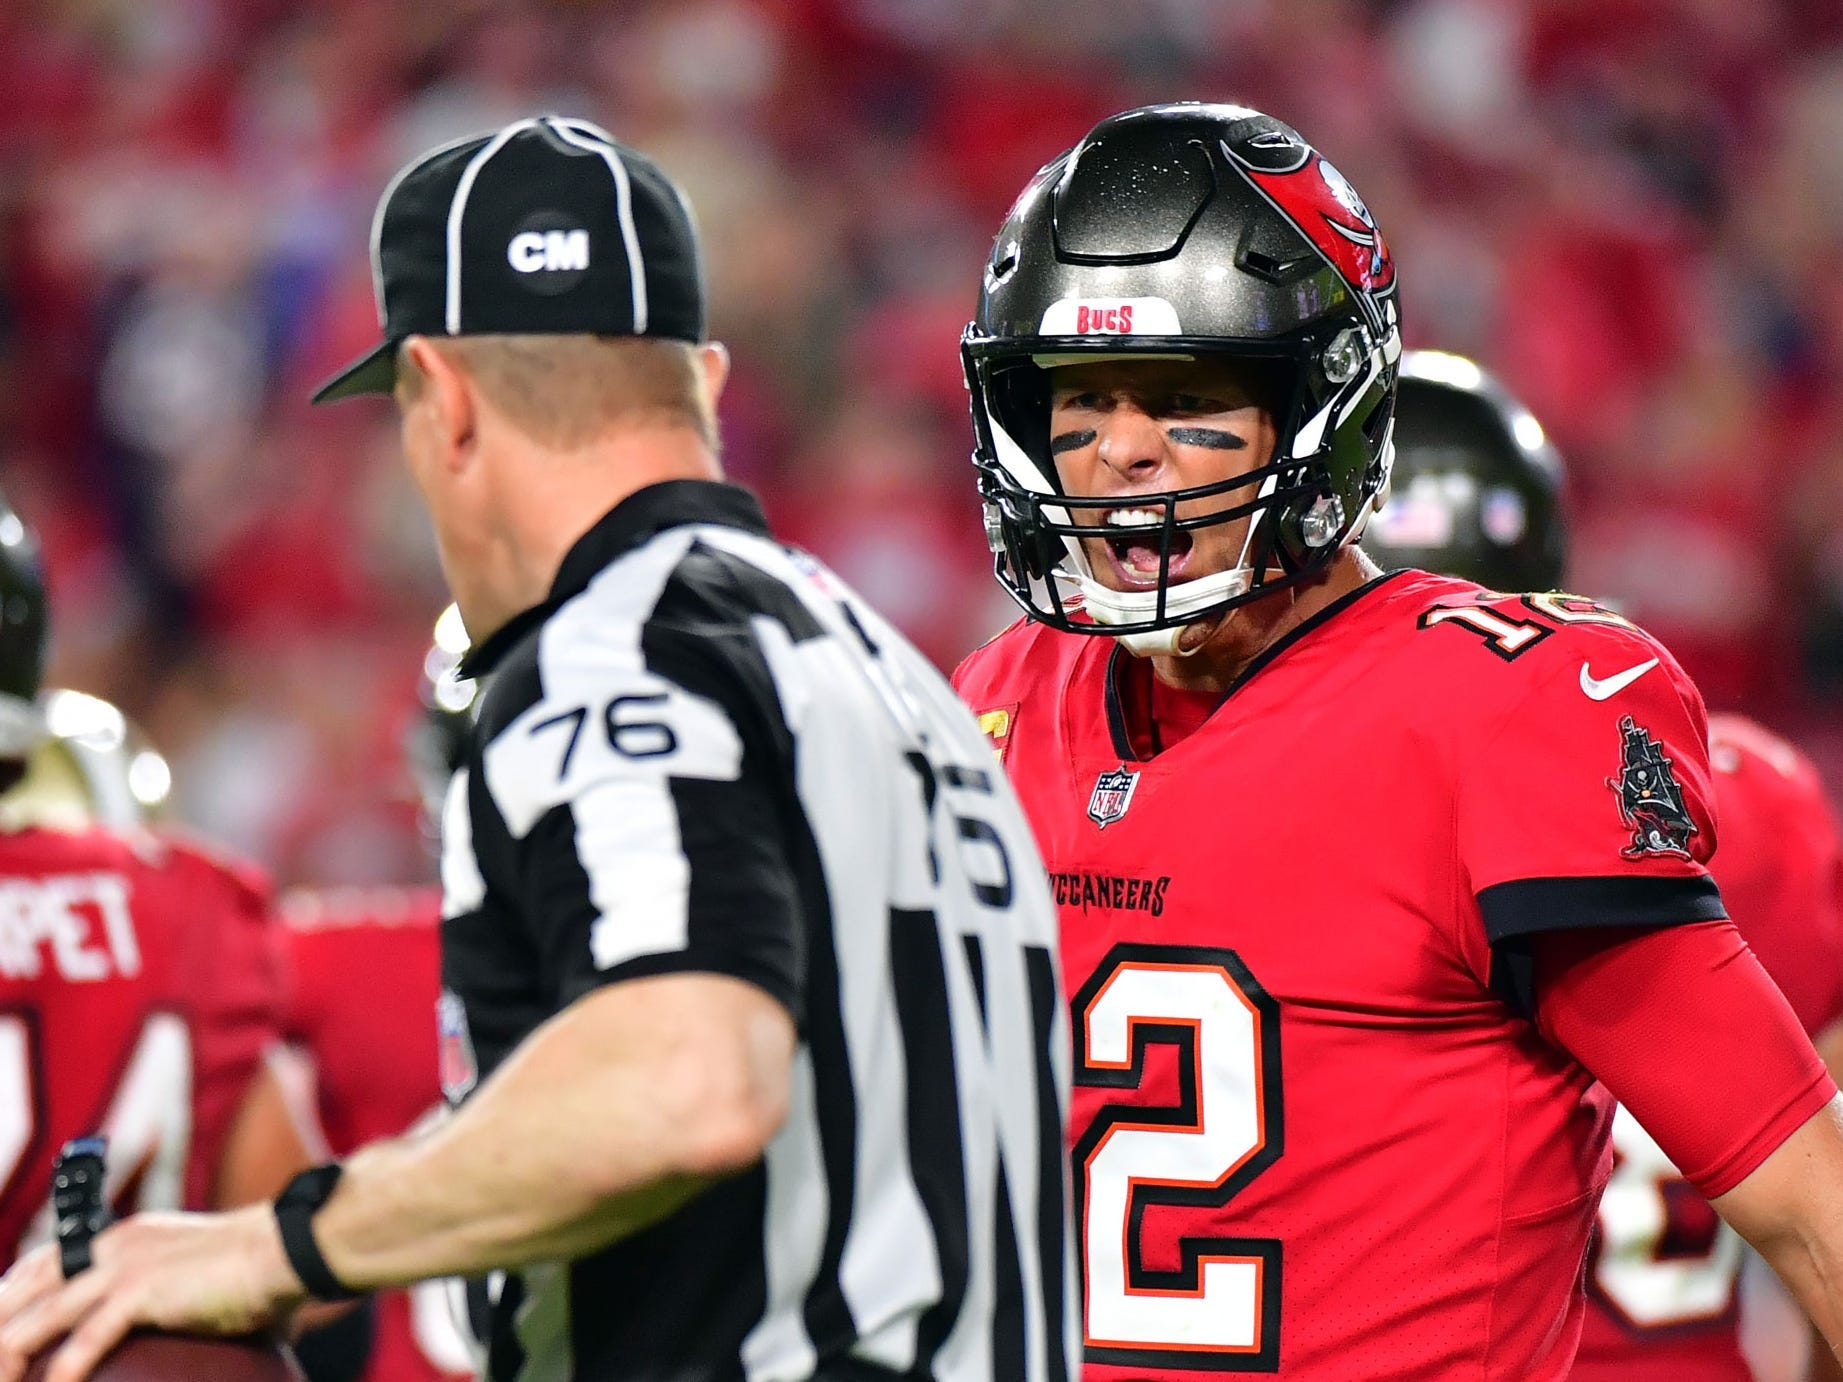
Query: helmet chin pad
1201, 596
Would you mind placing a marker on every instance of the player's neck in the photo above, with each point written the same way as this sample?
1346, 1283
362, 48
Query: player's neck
548, 499
1244, 633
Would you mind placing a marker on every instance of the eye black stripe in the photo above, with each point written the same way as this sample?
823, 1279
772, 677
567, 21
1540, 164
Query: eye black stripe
1214, 439
1071, 441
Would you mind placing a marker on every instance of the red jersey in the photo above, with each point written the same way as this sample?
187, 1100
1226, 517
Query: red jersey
1312, 1133
139, 991
365, 973
1662, 1279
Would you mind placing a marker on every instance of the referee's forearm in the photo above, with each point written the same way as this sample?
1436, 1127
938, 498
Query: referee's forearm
608, 1118
470, 1199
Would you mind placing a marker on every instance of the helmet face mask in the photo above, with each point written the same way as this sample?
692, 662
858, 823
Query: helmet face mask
1208, 266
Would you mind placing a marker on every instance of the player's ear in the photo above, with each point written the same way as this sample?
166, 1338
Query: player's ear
714, 359
448, 396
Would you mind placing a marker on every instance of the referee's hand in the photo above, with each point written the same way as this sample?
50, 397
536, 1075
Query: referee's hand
220, 1274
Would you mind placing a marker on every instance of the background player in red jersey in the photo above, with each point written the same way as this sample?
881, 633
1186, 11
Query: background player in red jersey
1476, 494
364, 977
138, 984
1364, 880
364, 967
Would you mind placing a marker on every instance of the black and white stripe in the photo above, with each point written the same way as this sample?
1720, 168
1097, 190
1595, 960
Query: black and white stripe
705, 753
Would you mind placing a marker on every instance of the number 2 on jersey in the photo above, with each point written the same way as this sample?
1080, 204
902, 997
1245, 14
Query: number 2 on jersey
1155, 1295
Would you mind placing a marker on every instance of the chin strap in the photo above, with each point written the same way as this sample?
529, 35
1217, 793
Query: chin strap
1154, 644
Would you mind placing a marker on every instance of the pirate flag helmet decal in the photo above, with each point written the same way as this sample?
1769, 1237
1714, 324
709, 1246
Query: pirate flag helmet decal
1303, 186
1650, 801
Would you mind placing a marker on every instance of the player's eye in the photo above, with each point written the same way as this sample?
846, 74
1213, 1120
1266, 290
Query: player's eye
1193, 403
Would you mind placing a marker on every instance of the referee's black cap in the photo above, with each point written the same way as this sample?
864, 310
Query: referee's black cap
548, 226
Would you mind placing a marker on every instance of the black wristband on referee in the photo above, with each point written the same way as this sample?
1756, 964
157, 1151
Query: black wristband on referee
295, 1208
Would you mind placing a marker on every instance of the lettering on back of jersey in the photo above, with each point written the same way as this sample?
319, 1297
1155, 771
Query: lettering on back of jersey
1650, 801
79, 922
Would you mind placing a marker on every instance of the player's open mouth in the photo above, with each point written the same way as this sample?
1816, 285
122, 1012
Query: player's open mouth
1135, 560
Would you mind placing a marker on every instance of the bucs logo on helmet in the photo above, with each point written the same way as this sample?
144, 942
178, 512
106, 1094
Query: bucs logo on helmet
1318, 199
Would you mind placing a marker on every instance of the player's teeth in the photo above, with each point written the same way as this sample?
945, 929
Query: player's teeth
1136, 518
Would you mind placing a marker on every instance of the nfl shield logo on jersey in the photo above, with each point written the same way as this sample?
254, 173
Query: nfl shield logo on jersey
1113, 793
455, 1047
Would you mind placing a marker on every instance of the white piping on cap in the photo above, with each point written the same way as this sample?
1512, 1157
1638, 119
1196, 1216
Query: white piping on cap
458, 206
377, 216
572, 132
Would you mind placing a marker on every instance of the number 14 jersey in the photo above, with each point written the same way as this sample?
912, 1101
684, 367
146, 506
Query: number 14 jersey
1313, 1133
139, 990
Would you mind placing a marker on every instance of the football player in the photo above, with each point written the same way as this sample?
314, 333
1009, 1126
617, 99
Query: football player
364, 985
1371, 886
1476, 494
139, 987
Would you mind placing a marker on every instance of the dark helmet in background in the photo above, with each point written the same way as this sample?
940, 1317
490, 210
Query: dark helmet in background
436, 744
1194, 231
66, 759
24, 635
1477, 485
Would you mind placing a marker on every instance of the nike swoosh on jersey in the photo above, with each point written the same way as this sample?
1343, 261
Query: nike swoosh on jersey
1599, 690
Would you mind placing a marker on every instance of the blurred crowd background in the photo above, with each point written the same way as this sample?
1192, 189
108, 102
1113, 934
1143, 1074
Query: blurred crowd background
1632, 209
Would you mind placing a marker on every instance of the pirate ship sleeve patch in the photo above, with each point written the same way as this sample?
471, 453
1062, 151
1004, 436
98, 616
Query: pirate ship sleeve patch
1650, 798
1588, 800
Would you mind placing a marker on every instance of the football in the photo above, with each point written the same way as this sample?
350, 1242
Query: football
178, 1358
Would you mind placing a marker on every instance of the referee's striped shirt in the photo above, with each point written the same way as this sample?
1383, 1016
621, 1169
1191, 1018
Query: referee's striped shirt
704, 753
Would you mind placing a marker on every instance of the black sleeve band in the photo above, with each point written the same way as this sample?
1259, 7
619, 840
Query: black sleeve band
295, 1208
1526, 906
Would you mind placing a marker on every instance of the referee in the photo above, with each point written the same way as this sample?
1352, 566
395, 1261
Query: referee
751, 1009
